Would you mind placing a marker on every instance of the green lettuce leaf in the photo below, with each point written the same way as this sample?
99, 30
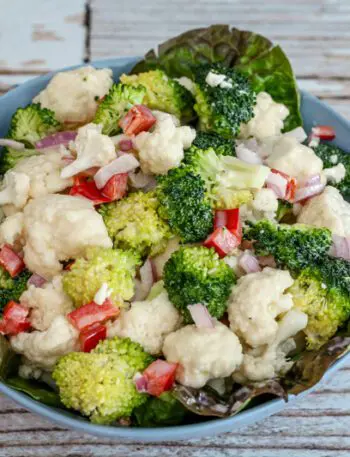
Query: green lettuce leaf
265, 64
273, 73
207, 402
9, 360
38, 391
310, 366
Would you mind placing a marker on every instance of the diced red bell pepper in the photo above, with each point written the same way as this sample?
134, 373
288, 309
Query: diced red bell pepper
11, 261
138, 119
160, 377
116, 187
324, 132
228, 218
15, 311
223, 241
291, 184
88, 190
91, 336
14, 319
92, 313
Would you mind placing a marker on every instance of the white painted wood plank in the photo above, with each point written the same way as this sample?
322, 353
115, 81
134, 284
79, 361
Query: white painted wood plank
37, 36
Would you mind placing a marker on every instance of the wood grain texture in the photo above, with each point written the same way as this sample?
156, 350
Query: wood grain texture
316, 36
37, 36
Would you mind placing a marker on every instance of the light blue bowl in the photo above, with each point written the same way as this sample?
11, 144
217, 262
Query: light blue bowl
314, 112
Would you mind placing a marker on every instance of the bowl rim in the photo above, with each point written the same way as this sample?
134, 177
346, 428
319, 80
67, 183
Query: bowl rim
156, 434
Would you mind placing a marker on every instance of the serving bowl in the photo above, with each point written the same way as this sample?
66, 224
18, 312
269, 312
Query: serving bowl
314, 112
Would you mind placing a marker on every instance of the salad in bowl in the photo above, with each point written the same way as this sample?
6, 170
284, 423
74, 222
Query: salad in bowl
174, 247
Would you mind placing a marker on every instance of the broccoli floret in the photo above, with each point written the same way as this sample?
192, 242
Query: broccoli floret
115, 104
326, 305
221, 145
293, 246
114, 267
197, 275
163, 93
228, 180
32, 123
332, 155
160, 411
133, 223
100, 384
184, 205
336, 273
223, 109
12, 288
10, 157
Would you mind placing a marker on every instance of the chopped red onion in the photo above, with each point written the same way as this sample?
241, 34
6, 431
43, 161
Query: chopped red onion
247, 155
201, 316
118, 138
140, 293
147, 276
56, 139
308, 192
140, 382
311, 180
36, 280
298, 133
123, 164
11, 144
248, 262
340, 247
277, 183
126, 145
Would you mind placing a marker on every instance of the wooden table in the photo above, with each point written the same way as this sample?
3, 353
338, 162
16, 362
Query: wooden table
41, 35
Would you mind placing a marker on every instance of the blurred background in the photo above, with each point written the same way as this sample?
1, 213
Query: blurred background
37, 36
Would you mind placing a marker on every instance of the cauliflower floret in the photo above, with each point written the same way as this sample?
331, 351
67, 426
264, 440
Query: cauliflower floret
27, 371
15, 189
255, 303
163, 149
268, 118
265, 362
74, 95
11, 230
295, 159
263, 206
203, 353
327, 210
43, 349
265, 200
60, 227
335, 174
147, 323
33, 177
93, 149
46, 303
